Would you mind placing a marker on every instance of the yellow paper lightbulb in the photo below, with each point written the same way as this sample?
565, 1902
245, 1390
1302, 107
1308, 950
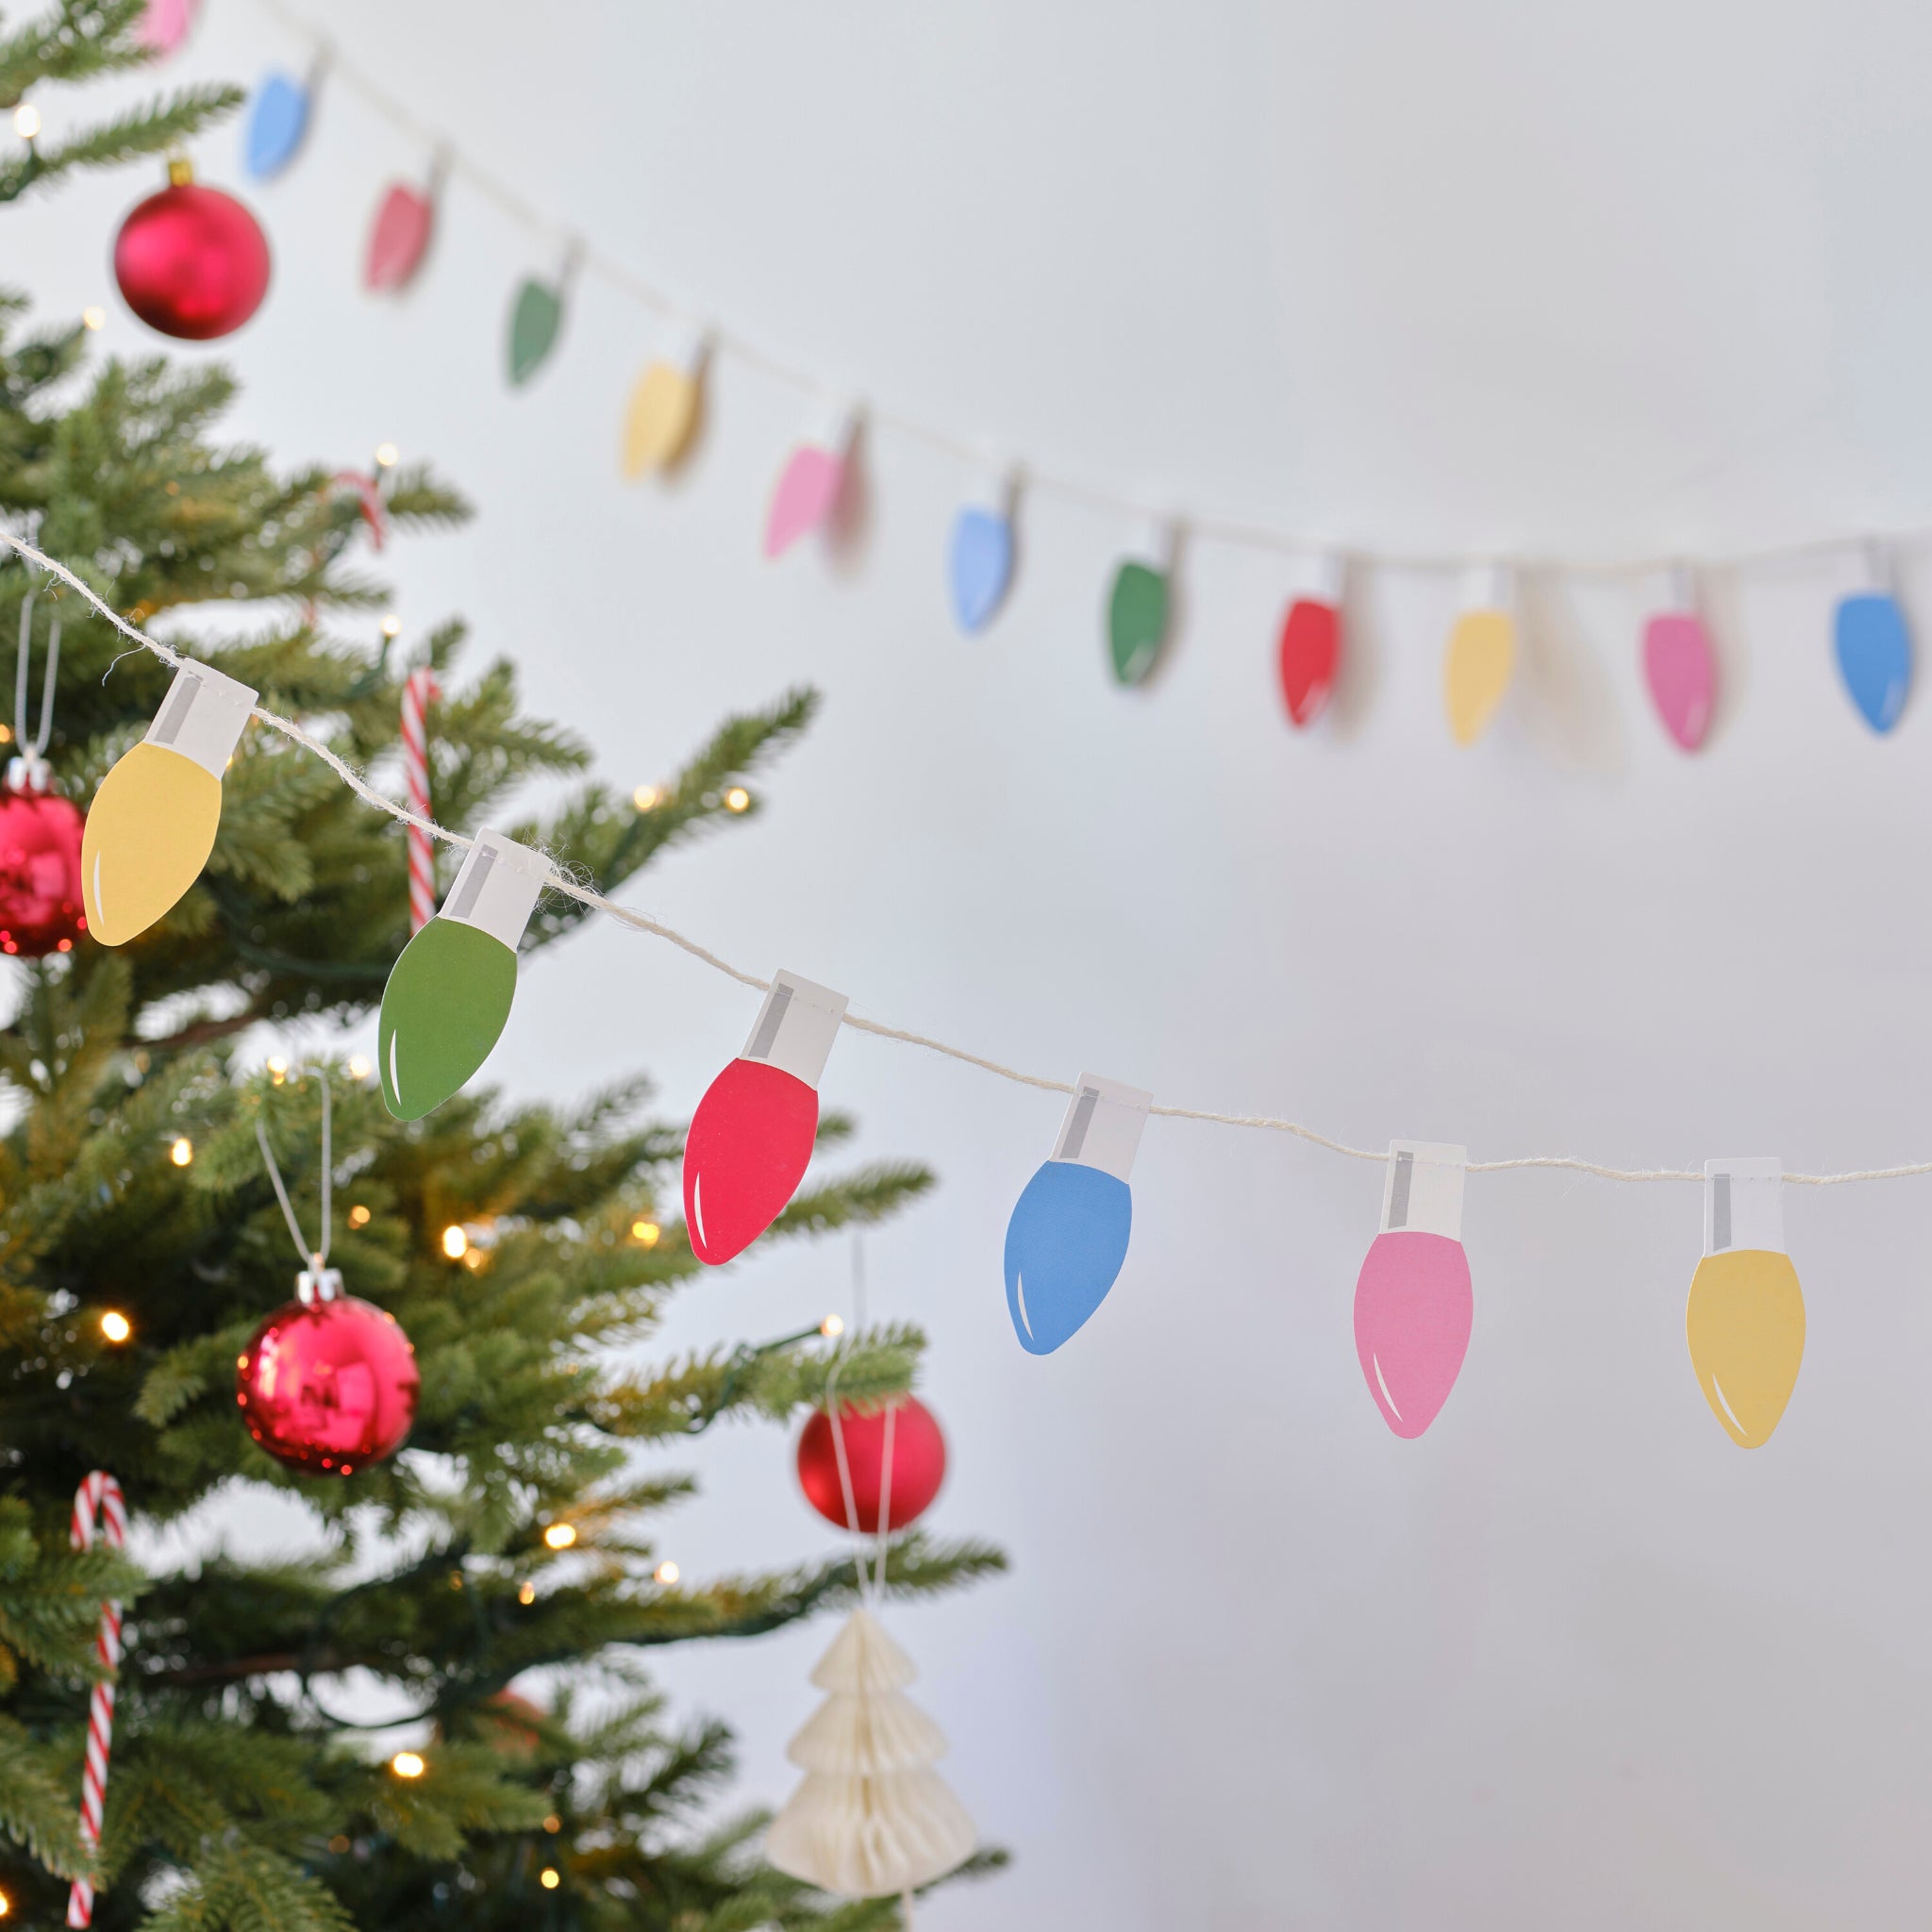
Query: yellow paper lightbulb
153, 822
664, 406
1746, 1319
1481, 658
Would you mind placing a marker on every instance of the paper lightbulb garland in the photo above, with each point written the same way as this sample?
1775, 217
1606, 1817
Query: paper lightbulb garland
153, 822
1875, 648
979, 559
1481, 658
1680, 667
1309, 650
399, 238
751, 1139
450, 991
811, 486
1413, 1303
871, 1817
1745, 1318
1070, 1228
1139, 606
664, 408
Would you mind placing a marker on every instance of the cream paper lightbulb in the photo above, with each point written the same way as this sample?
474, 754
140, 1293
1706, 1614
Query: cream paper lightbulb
153, 822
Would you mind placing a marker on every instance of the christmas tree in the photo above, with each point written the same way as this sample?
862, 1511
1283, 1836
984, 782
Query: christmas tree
141, 1242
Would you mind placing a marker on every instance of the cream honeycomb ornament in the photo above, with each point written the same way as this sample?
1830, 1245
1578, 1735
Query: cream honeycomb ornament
872, 1817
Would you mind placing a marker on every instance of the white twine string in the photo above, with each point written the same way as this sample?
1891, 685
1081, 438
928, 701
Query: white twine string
640, 921
447, 159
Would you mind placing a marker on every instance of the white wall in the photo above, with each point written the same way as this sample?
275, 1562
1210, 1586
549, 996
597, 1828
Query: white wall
1589, 280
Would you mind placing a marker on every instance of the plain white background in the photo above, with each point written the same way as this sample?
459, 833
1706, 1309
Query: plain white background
1597, 281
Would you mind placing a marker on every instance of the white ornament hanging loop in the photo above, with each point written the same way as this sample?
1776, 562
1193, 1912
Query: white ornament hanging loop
30, 766
318, 1281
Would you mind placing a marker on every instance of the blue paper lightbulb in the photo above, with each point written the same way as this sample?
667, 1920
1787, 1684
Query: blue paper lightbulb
1875, 655
276, 122
979, 565
1070, 1228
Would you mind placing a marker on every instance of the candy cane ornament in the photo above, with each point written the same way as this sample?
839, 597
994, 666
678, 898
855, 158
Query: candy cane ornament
98, 1509
419, 688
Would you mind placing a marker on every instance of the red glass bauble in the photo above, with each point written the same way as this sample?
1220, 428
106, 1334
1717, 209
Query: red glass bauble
192, 262
39, 872
919, 1464
328, 1387
749, 1144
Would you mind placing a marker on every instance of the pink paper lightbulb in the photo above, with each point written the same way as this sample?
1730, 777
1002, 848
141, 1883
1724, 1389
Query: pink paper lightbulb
1413, 1302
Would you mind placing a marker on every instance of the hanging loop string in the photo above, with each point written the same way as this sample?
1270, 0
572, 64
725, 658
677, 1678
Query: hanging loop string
314, 1258
36, 752
870, 1592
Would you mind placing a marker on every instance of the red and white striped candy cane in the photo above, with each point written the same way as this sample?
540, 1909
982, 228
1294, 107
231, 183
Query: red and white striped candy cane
419, 688
98, 1509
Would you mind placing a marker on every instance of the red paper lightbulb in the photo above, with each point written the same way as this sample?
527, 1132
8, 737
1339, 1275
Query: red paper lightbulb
751, 1137
1311, 647
895, 1457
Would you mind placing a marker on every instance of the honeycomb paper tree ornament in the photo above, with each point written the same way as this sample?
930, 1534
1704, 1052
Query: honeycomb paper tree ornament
872, 1818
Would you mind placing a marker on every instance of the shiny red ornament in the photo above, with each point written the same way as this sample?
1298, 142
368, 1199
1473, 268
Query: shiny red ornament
39, 870
192, 261
751, 1139
1310, 649
919, 1464
329, 1386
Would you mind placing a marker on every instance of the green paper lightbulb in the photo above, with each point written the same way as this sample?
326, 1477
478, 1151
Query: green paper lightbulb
1139, 607
449, 994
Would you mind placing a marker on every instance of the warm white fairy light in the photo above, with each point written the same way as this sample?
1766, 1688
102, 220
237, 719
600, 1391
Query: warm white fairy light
358, 1067
559, 1536
646, 796
737, 799
455, 1244
667, 1573
391, 626
408, 1764
116, 1326
94, 316
386, 456
832, 1327
26, 120
182, 1151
